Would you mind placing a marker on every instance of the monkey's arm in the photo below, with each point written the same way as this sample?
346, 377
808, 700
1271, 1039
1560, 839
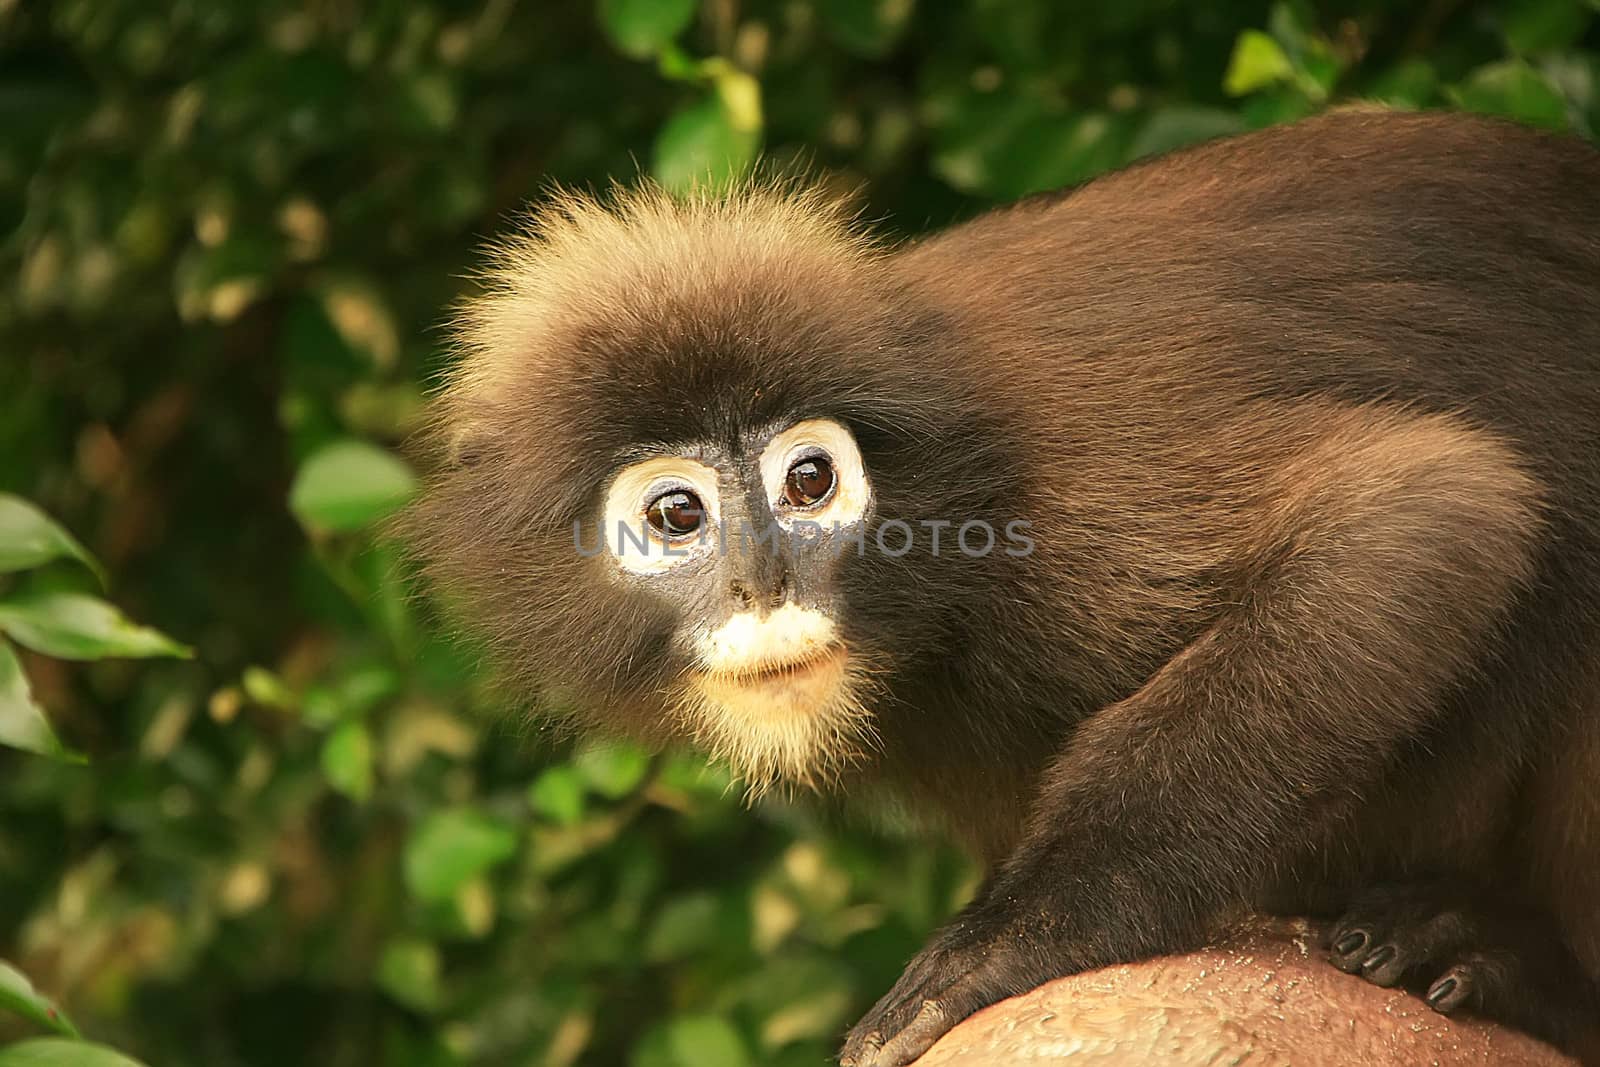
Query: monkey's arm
1381, 569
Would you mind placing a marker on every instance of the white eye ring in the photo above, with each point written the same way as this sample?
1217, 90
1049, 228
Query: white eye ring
638, 546
851, 494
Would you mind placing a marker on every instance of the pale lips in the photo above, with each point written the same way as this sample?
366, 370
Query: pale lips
829, 660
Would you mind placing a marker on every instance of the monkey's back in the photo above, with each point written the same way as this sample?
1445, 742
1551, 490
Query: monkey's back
1446, 261
1428, 262
1434, 261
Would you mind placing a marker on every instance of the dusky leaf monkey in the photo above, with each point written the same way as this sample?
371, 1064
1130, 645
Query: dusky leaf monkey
1287, 447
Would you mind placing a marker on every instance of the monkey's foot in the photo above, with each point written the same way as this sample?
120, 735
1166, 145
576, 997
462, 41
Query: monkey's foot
1461, 953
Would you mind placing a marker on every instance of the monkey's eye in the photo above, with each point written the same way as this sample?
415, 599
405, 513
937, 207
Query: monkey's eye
809, 482
675, 513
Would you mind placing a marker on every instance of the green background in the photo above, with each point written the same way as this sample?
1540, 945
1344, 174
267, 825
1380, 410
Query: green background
230, 232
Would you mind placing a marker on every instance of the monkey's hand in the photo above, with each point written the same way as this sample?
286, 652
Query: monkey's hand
984, 956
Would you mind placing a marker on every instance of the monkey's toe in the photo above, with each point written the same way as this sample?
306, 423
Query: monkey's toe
1454, 989
1386, 940
1465, 954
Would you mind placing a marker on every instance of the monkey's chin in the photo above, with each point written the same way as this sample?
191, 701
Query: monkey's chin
799, 723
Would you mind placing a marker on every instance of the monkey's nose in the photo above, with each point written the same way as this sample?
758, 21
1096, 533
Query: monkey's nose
746, 594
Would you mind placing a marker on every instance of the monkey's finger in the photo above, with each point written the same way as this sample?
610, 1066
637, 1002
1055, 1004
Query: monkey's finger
895, 1009
930, 1023
888, 1017
860, 1052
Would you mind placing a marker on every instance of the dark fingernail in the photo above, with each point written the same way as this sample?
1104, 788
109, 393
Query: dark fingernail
1378, 958
1441, 989
1349, 943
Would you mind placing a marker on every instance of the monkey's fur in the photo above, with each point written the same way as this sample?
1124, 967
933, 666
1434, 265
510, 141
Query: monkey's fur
1307, 426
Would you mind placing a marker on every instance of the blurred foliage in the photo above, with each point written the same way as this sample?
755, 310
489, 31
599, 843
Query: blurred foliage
228, 231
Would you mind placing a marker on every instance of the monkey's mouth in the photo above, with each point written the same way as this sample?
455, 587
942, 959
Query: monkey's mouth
825, 662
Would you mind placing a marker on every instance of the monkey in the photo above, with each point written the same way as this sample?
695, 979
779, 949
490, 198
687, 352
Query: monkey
1287, 447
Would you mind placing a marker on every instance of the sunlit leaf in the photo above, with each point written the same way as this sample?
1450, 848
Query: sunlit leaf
700, 145
740, 94
357, 311
1258, 61
643, 27
706, 1041
62, 1052
452, 847
692, 1041
29, 537
557, 794
350, 484
22, 722
409, 972
347, 760
226, 272
18, 996
613, 770
79, 626
267, 689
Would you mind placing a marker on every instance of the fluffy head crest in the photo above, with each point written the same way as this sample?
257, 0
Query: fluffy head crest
580, 259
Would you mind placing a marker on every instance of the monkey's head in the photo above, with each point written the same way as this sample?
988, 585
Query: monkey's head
673, 436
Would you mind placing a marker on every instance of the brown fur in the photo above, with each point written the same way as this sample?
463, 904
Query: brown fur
1306, 425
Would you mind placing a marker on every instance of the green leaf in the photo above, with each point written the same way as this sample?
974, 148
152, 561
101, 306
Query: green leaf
349, 695
1412, 83
685, 926
350, 484
450, 848
1258, 61
612, 769
643, 27
60, 1052
1006, 145
17, 994
409, 972
800, 997
78, 626
22, 723
29, 538
267, 689
557, 794
692, 1041
701, 145
706, 1041
347, 760
1515, 90
1543, 25
1175, 127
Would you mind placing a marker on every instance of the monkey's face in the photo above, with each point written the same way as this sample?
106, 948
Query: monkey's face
744, 540
676, 429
